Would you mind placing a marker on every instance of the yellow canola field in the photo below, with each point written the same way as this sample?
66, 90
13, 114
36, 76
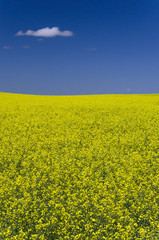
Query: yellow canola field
79, 167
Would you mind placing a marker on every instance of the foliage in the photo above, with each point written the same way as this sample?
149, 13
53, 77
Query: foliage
79, 167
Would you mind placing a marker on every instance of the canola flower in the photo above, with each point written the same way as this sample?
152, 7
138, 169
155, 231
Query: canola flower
79, 167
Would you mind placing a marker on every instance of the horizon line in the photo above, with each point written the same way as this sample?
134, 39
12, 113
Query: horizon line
67, 95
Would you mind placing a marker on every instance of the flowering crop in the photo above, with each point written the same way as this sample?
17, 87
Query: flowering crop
79, 167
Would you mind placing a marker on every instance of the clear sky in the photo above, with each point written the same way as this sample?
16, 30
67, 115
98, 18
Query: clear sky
79, 47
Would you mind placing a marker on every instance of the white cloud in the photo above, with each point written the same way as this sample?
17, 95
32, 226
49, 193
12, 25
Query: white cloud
7, 47
40, 39
26, 46
46, 32
91, 49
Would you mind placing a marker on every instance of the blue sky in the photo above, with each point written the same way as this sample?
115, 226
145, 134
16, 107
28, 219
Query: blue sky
110, 46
